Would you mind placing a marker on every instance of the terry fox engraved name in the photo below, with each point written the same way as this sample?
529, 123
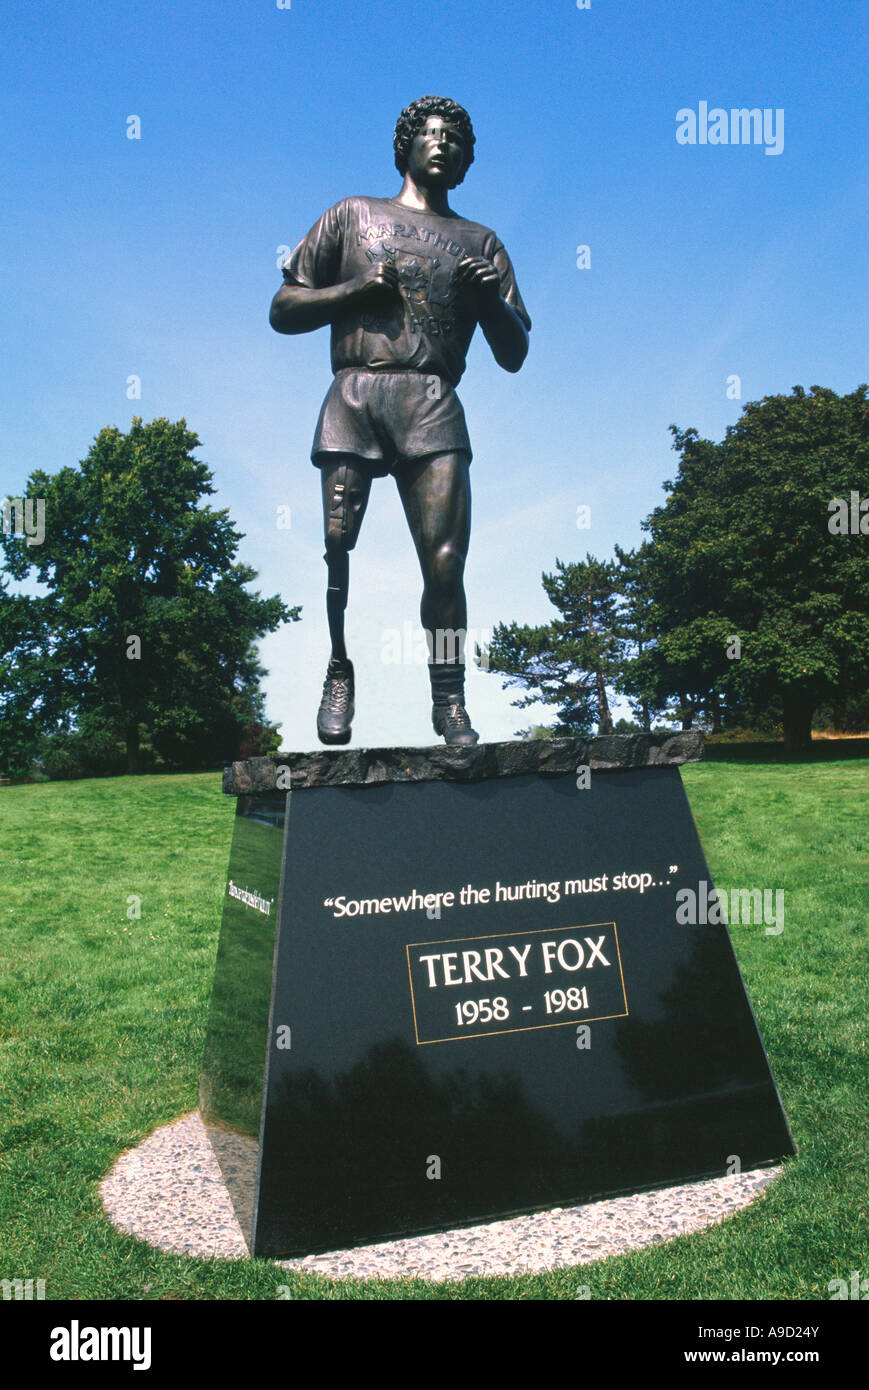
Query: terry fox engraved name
536, 979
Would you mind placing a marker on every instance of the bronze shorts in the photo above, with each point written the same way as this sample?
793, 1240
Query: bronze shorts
390, 417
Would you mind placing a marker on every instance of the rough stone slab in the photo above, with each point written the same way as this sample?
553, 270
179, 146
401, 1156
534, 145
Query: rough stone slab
364, 767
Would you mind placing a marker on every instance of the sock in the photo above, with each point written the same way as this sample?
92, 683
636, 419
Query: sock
447, 682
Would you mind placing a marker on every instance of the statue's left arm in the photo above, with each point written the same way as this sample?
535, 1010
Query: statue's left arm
505, 329
506, 334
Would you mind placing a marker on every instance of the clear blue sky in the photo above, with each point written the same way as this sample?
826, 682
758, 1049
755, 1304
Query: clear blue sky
157, 257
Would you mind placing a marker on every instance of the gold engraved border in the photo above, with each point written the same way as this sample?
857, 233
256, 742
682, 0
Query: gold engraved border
531, 1027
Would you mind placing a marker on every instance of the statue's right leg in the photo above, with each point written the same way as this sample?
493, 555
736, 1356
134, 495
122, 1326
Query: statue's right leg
346, 482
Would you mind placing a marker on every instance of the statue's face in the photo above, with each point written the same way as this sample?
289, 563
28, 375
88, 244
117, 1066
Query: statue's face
437, 153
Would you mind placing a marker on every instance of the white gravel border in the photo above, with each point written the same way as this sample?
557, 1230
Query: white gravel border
169, 1192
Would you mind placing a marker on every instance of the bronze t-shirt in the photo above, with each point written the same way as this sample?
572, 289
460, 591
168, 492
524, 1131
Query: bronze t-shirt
427, 330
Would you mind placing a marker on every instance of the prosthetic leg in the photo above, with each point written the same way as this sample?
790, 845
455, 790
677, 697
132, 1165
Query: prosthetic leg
337, 706
345, 497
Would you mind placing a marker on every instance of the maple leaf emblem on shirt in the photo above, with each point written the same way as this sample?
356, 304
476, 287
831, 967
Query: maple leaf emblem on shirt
413, 280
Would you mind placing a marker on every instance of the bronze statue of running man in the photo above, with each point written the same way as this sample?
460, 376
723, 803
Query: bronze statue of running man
403, 283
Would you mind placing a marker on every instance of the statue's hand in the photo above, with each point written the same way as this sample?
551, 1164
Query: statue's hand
377, 285
478, 279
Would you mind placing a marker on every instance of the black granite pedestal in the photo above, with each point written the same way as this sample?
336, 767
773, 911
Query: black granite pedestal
453, 985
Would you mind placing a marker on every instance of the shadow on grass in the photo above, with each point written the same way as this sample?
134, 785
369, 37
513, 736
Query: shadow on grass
823, 750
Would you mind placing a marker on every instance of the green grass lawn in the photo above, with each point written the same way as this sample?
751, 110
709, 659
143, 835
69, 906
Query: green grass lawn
103, 1025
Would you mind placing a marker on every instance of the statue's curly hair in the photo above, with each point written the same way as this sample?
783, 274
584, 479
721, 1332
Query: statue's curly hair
417, 113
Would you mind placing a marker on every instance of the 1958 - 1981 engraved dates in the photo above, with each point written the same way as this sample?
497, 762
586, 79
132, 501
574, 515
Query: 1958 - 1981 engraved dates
543, 989
484, 1010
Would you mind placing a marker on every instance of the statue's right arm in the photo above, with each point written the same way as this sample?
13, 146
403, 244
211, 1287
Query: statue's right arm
298, 309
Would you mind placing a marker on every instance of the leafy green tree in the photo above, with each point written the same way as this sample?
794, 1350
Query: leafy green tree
571, 662
743, 549
28, 701
148, 628
638, 677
